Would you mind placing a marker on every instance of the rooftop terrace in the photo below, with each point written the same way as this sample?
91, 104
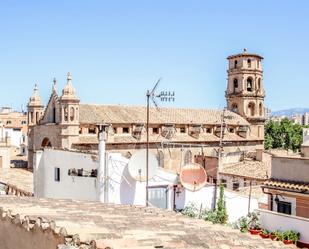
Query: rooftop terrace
95, 225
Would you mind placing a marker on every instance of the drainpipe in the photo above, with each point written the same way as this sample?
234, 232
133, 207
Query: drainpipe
102, 170
271, 198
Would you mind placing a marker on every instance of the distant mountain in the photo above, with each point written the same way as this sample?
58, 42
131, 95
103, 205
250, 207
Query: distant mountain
290, 112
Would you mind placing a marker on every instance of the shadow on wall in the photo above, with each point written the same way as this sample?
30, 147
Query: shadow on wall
127, 187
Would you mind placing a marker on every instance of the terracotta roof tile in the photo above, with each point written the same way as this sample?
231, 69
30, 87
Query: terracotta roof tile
248, 168
299, 186
122, 114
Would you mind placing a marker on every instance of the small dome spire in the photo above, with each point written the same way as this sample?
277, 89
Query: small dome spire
68, 91
54, 89
35, 99
245, 50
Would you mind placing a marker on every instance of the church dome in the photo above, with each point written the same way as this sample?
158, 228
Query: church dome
35, 99
68, 91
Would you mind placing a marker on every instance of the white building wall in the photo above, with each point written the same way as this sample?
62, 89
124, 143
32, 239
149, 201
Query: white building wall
70, 187
5, 154
236, 205
122, 188
273, 221
15, 135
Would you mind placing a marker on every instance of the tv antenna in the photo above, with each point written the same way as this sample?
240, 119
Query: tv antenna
164, 96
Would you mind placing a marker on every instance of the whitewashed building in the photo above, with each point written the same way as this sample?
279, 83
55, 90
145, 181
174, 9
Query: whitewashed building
87, 176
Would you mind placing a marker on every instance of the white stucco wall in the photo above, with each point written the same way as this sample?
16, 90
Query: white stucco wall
5, 154
276, 221
16, 136
122, 188
236, 205
71, 187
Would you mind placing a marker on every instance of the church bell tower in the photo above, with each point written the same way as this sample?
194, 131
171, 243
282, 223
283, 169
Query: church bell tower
245, 92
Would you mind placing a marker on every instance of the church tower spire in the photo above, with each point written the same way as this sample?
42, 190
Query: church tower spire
35, 107
245, 92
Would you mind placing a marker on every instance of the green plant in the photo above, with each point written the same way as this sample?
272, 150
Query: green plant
265, 232
242, 224
221, 212
191, 210
279, 235
291, 235
219, 215
253, 221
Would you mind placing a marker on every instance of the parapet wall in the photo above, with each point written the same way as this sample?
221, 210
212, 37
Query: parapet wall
18, 232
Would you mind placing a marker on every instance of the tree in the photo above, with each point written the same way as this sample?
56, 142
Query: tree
221, 213
283, 135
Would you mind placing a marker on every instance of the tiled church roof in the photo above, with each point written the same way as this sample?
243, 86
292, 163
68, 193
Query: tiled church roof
122, 114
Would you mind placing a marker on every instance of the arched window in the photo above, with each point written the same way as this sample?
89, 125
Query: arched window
46, 143
234, 107
66, 114
249, 84
235, 64
188, 157
261, 109
249, 63
72, 113
37, 117
161, 159
259, 84
235, 85
251, 109
31, 117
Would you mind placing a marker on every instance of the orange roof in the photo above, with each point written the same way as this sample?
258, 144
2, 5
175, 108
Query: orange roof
289, 185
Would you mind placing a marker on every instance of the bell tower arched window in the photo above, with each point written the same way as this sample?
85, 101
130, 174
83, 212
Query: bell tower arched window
235, 85
72, 113
66, 114
249, 63
37, 117
259, 84
235, 64
251, 109
249, 84
261, 109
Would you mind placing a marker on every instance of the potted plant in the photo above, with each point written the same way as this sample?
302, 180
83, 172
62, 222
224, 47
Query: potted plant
264, 234
273, 236
254, 226
290, 237
278, 235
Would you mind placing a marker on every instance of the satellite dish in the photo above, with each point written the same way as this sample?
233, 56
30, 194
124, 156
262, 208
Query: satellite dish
137, 165
193, 177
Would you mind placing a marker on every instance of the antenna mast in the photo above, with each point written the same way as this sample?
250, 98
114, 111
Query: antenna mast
164, 96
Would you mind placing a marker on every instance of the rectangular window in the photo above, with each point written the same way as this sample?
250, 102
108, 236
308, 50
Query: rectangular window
208, 130
91, 131
284, 207
57, 174
182, 129
125, 130
155, 130
235, 186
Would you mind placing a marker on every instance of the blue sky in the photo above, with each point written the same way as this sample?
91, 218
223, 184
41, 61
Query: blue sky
116, 50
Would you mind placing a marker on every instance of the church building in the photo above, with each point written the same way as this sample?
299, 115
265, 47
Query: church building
177, 135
